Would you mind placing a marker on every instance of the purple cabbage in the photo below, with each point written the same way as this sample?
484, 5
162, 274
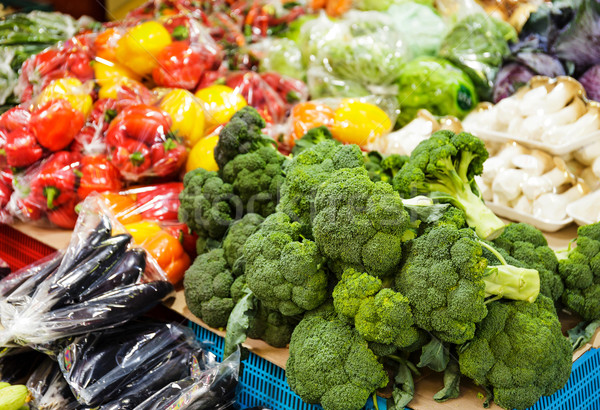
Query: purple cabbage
510, 78
591, 82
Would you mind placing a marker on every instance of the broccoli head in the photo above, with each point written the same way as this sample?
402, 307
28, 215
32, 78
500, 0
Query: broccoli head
383, 169
256, 177
446, 280
312, 138
208, 205
239, 232
307, 171
529, 247
580, 272
331, 364
283, 269
518, 353
352, 290
242, 134
360, 223
207, 288
443, 167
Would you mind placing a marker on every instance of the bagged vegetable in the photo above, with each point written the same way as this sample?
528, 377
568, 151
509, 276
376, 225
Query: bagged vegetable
436, 85
48, 388
17, 364
99, 283
477, 44
119, 368
280, 55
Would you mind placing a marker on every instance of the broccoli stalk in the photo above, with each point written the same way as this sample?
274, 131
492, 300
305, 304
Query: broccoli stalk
510, 282
443, 167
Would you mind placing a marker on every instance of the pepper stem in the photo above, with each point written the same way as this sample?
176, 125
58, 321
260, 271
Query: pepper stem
51, 193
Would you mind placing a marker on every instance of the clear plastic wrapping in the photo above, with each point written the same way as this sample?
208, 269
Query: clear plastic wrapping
49, 390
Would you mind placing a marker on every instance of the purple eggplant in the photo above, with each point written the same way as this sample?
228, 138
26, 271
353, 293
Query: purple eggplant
33, 275
97, 236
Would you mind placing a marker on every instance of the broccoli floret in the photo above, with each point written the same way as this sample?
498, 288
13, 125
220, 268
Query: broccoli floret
383, 169
283, 269
331, 364
446, 280
307, 171
580, 272
312, 138
239, 232
518, 353
208, 205
256, 177
207, 288
528, 245
352, 290
360, 223
443, 167
242, 134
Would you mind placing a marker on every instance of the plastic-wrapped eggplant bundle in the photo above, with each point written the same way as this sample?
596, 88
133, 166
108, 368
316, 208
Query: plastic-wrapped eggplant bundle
213, 389
49, 390
119, 368
17, 364
98, 282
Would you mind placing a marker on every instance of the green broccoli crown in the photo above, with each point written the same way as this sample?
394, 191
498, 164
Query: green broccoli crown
331, 364
312, 138
444, 167
586, 302
520, 232
208, 205
242, 134
442, 277
207, 288
271, 326
256, 177
383, 169
451, 216
283, 269
352, 290
360, 223
591, 231
518, 352
310, 169
387, 318
239, 232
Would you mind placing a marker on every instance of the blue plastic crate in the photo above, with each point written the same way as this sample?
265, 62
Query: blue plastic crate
264, 384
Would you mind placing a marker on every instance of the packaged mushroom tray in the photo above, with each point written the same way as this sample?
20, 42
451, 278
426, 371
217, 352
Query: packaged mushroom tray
530, 185
552, 115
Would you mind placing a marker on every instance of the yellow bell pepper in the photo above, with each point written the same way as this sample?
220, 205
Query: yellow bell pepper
187, 115
69, 89
202, 155
220, 103
357, 122
141, 44
140, 231
107, 72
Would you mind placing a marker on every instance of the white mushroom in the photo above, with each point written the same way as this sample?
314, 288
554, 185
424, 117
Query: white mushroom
588, 154
535, 186
523, 205
591, 179
494, 165
552, 206
507, 184
535, 163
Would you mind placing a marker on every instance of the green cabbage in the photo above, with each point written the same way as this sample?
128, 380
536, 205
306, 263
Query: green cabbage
421, 26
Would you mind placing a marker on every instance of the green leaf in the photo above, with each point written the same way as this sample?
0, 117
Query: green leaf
434, 355
582, 333
239, 321
451, 388
404, 388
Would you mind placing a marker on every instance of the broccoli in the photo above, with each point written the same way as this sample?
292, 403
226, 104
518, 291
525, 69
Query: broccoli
208, 205
383, 169
446, 280
360, 223
380, 315
331, 364
207, 288
519, 353
256, 177
307, 171
443, 167
312, 138
266, 324
239, 232
580, 272
242, 134
529, 247
283, 269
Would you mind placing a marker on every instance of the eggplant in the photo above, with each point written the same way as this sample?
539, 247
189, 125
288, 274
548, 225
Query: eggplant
96, 237
16, 368
126, 272
66, 289
49, 390
33, 275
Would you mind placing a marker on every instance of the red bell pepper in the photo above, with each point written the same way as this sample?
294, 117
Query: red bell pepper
56, 123
182, 232
64, 216
21, 148
15, 118
160, 202
79, 64
168, 157
180, 66
97, 174
131, 158
29, 208
5, 193
143, 123
54, 185
103, 112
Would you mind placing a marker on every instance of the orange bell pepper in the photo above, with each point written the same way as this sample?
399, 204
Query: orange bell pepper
141, 231
123, 206
169, 254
